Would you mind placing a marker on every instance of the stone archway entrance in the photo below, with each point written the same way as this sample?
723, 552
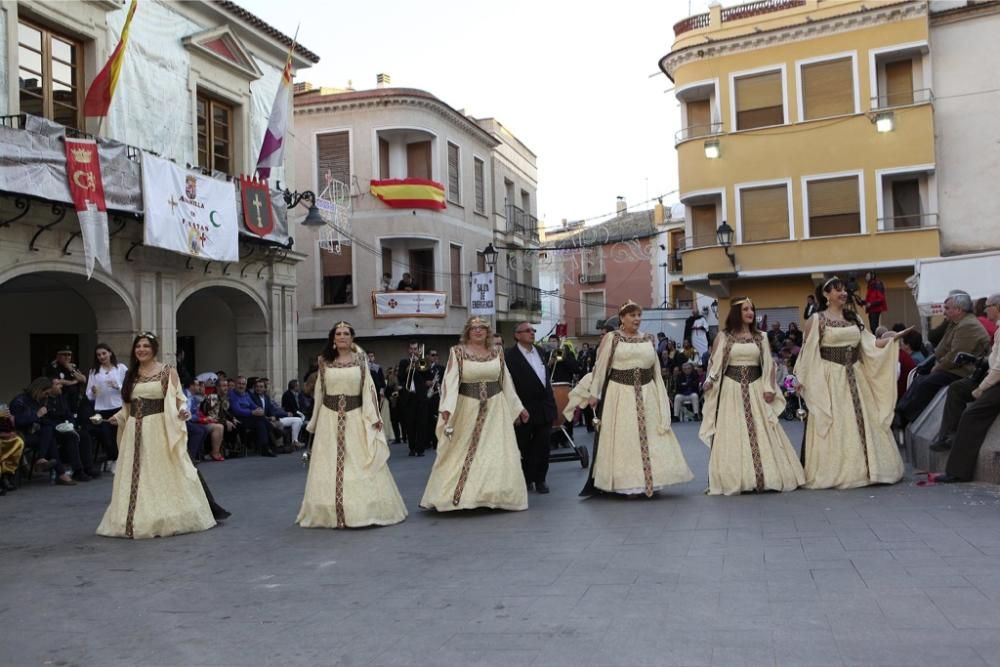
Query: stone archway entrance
44, 310
223, 328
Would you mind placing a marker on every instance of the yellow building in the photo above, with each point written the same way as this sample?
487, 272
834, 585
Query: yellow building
808, 129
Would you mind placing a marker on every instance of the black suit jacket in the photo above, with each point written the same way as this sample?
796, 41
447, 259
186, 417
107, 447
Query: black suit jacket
536, 397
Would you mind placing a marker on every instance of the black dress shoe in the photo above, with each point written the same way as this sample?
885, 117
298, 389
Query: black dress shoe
941, 445
412, 453
81, 477
946, 479
268, 453
541, 487
420, 453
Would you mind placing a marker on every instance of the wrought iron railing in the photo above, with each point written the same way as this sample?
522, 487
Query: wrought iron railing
697, 131
901, 222
902, 99
523, 297
521, 222
18, 121
745, 11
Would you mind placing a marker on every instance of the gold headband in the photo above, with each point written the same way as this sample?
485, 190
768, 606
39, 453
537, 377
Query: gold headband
478, 321
628, 304
742, 300
831, 280
342, 323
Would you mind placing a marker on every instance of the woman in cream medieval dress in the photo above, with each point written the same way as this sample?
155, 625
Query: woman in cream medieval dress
635, 451
478, 463
157, 490
848, 380
349, 484
750, 451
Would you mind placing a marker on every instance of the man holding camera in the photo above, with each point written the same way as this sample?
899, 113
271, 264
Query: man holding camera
972, 406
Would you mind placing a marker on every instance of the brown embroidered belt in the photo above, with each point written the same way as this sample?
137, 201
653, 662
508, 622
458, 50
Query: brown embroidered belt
628, 375
146, 406
845, 356
472, 389
350, 402
744, 373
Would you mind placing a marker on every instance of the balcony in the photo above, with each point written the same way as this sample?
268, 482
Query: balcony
902, 99
521, 222
19, 122
905, 222
739, 12
696, 132
592, 278
524, 297
675, 264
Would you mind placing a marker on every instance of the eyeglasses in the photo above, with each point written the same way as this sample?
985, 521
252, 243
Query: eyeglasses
525, 331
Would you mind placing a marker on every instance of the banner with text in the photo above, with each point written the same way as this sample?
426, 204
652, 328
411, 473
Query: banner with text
409, 304
188, 212
483, 294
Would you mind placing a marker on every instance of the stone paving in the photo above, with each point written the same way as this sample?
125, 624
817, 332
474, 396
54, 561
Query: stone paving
896, 575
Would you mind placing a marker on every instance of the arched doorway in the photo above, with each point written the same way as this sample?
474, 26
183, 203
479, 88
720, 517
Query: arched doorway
221, 327
44, 310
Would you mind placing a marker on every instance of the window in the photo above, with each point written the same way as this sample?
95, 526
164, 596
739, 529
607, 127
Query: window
338, 276
387, 265
526, 202
699, 117
704, 222
480, 262
454, 181
906, 197
49, 73
383, 158
418, 160
834, 206
480, 177
594, 312
906, 209
900, 75
457, 277
764, 213
215, 134
593, 264
899, 83
827, 88
759, 100
675, 262
333, 157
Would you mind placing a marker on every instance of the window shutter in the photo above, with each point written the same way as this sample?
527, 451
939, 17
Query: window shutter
834, 207
703, 225
699, 118
383, 159
898, 83
828, 89
764, 213
759, 100
418, 160
480, 177
456, 275
454, 193
334, 156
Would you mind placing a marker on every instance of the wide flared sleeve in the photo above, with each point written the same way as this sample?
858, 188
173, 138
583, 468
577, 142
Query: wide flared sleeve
769, 382
377, 446
878, 365
661, 395
173, 402
814, 389
317, 397
579, 396
509, 393
449, 391
601, 365
709, 408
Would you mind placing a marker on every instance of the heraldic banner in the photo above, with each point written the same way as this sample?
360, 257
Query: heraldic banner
83, 168
388, 305
189, 213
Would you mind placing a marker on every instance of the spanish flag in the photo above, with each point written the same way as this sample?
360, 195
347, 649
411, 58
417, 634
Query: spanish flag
103, 86
410, 193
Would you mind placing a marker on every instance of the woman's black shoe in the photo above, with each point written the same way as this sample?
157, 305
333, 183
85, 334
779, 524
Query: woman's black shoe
7, 483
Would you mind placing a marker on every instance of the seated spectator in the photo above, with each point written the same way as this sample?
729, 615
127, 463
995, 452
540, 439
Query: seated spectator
687, 387
251, 416
969, 412
690, 354
197, 433
794, 334
912, 342
277, 417
981, 315
31, 412
775, 336
962, 333
11, 446
294, 402
219, 428
906, 364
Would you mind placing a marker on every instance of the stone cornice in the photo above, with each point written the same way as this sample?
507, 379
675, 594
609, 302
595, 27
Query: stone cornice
810, 29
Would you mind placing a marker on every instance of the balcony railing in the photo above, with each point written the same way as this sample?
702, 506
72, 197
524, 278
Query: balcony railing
18, 121
745, 11
523, 297
521, 222
697, 131
902, 99
700, 241
592, 278
902, 222
675, 264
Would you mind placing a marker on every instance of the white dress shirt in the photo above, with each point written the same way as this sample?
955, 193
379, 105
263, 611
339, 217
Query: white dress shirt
101, 387
534, 360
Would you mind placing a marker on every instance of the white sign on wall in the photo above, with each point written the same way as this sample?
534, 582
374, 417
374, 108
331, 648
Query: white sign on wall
483, 294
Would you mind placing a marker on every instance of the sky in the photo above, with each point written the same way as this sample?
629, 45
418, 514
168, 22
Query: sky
572, 82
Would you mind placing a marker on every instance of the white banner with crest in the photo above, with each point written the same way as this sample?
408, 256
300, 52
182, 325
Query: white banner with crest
482, 294
409, 304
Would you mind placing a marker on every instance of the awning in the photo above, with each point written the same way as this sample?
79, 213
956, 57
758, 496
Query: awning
978, 274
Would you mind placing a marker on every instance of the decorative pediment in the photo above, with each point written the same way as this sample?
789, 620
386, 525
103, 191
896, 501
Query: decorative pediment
221, 45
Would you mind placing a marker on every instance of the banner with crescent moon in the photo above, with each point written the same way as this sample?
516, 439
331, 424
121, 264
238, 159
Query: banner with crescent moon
83, 169
188, 212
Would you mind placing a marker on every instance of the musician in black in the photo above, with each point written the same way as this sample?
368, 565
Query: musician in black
406, 402
563, 369
433, 394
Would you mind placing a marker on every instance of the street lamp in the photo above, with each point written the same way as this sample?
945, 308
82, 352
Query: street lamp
313, 217
725, 237
490, 254
712, 149
884, 122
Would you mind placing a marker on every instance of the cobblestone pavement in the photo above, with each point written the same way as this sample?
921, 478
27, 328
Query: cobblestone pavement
896, 575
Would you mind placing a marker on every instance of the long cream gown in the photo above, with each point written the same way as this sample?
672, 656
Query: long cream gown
349, 484
156, 491
479, 465
848, 440
750, 451
638, 451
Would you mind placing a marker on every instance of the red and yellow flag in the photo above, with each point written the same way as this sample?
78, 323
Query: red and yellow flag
410, 193
102, 88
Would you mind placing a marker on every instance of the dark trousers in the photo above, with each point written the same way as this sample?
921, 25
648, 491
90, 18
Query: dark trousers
396, 417
433, 406
258, 428
415, 421
969, 420
197, 433
107, 434
533, 441
63, 448
919, 396
873, 320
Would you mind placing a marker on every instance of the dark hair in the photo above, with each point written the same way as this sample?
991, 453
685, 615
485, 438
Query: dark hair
734, 320
37, 386
330, 349
104, 346
898, 326
850, 314
133, 364
292, 383
914, 340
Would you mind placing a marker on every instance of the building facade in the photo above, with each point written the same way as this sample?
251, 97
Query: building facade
808, 129
409, 137
204, 100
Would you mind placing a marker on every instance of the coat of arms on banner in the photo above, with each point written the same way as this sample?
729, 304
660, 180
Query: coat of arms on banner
258, 217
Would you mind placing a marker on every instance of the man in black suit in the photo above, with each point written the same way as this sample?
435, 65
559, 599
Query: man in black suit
531, 381
407, 399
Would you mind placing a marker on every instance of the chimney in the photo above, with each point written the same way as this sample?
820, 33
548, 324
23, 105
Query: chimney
658, 215
620, 205
383, 80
